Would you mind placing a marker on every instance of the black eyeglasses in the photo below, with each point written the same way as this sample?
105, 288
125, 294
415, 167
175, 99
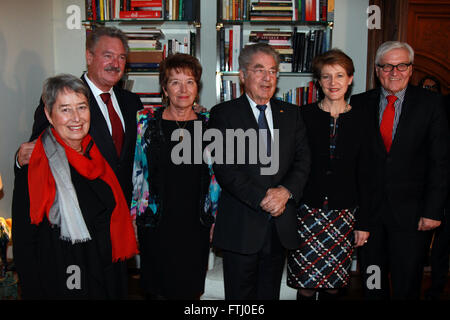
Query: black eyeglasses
389, 67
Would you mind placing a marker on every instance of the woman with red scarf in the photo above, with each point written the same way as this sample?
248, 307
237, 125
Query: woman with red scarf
72, 231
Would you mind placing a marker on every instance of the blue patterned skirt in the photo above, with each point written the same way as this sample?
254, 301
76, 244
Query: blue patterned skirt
324, 259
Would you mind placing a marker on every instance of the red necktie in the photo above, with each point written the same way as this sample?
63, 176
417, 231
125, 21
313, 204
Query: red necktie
116, 124
387, 122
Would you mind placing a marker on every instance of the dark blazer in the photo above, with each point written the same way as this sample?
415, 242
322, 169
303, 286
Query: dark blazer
346, 179
241, 223
122, 166
412, 175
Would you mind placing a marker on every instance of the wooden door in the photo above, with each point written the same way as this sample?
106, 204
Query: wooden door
428, 33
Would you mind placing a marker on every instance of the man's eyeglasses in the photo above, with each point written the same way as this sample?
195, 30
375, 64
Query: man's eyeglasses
260, 72
389, 67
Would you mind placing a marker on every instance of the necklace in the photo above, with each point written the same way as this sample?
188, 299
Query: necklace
180, 138
346, 108
172, 115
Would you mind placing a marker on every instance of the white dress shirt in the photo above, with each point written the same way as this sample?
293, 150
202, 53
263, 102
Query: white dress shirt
103, 108
268, 113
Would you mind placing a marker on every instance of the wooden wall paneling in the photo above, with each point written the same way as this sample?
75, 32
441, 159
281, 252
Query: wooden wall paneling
428, 33
394, 21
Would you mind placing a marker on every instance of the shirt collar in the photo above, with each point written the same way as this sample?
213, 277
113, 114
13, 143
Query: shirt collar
400, 94
95, 91
253, 104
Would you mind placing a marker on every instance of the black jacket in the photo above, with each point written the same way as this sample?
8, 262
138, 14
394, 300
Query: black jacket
240, 223
413, 175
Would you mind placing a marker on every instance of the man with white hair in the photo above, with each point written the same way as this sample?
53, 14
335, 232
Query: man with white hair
409, 142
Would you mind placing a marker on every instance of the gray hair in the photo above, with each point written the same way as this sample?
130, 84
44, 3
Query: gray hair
391, 45
245, 58
53, 86
113, 32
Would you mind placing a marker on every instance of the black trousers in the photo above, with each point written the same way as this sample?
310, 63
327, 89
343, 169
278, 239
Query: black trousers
255, 276
392, 261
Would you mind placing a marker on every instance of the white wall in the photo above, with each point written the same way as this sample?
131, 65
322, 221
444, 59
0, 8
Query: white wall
27, 58
69, 44
35, 43
350, 35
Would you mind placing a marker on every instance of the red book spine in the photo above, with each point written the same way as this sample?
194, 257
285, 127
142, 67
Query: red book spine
309, 10
149, 3
94, 11
310, 92
139, 14
314, 10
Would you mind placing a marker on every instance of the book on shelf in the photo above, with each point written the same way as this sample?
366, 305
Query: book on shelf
301, 95
151, 100
145, 48
150, 97
330, 10
307, 45
149, 56
234, 9
143, 65
271, 14
136, 45
145, 3
230, 89
230, 45
272, 10
187, 10
270, 18
140, 14
187, 45
300, 10
296, 49
237, 46
269, 6
104, 10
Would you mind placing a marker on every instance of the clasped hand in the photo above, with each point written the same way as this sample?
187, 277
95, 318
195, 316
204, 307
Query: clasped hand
275, 201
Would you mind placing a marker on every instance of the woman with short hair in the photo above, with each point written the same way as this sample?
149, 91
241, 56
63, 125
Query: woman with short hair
333, 217
72, 231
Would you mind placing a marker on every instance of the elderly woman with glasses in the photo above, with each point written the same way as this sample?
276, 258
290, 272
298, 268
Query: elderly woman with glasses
174, 204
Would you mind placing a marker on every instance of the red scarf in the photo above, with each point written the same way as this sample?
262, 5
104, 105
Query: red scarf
41, 185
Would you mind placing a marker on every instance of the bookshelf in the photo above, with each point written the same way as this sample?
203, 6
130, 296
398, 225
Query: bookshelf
298, 30
155, 29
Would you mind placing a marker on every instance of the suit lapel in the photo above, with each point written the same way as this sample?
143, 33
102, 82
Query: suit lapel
374, 107
403, 122
278, 119
248, 117
99, 130
129, 118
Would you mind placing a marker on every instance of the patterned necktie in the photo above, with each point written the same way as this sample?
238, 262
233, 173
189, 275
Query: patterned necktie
387, 122
116, 124
262, 123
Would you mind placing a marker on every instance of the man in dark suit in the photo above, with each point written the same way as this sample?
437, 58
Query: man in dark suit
410, 142
113, 110
256, 217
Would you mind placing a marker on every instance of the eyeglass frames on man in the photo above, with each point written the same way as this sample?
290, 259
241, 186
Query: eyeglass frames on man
389, 67
259, 72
